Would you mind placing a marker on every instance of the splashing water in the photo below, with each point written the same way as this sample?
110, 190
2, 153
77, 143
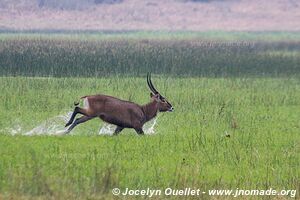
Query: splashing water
16, 129
148, 128
109, 129
56, 126
52, 126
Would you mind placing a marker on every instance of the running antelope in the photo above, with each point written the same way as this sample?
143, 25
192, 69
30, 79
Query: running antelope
124, 114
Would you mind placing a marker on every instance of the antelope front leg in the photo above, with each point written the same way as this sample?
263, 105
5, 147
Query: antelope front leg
138, 127
139, 131
118, 130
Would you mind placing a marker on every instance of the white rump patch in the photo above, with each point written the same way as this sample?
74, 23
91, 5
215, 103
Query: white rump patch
86, 104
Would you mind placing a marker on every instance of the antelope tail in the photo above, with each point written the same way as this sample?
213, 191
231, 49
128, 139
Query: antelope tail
76, 103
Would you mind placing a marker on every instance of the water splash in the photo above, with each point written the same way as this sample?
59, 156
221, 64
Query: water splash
15, 130
109, 129
148, 128
56, 126
52, 126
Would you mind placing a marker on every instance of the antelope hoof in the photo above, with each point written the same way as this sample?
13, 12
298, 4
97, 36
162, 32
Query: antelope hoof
68, 124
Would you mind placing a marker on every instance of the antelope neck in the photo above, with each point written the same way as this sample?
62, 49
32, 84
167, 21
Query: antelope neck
150, 110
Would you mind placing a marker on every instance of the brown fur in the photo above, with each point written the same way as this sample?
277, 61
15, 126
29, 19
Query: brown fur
124, 114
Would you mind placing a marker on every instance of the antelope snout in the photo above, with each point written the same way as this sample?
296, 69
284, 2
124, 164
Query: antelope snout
171, 109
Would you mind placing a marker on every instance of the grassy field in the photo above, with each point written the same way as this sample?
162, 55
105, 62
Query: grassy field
190, 148
106, 55
275, 36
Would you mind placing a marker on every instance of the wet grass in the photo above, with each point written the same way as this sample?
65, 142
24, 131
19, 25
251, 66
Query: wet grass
235, 125
190, 148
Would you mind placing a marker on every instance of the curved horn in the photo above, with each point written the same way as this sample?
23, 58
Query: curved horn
150, 84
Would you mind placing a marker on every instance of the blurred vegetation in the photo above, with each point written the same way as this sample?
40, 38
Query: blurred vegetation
73, 4
67, 56
54, 4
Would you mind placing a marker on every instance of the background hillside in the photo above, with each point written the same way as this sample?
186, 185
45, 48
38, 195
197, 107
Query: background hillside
197, 15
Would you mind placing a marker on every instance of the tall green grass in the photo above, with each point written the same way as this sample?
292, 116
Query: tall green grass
66, 57
270, 36
190, 148
248, 90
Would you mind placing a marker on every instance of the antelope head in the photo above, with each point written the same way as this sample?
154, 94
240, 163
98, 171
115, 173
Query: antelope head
163, 104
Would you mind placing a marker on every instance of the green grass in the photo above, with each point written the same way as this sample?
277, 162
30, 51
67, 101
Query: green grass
271, 36
189, 150
249, 90
186, 58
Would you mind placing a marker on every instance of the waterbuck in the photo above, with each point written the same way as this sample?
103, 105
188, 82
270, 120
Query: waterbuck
124, 114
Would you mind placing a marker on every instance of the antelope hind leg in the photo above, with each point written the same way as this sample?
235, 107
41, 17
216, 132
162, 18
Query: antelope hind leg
75, 112
78, 121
